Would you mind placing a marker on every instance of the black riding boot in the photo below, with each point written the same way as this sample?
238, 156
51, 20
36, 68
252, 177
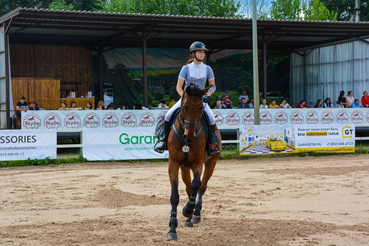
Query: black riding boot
213, 147
161, 145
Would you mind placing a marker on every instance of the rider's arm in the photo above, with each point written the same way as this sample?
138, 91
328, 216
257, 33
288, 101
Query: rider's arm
180, 86
211, 83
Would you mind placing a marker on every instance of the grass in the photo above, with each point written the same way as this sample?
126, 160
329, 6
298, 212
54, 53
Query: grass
42, 162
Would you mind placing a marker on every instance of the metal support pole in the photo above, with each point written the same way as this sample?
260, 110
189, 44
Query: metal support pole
101, 94
265, 70
144, 66
7, 81
357, 8
255, 65
304, 76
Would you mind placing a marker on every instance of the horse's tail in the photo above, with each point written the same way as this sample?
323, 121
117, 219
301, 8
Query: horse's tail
159, 131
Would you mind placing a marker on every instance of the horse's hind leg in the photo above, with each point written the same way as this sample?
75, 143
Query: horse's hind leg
209, 169
174, 200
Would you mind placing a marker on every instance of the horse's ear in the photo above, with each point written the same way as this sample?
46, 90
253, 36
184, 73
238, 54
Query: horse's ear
204, 91
189, 89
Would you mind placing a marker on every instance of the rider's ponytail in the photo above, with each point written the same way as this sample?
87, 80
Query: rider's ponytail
189, 61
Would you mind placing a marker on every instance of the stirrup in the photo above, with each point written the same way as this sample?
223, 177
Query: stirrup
215, 150
160, 149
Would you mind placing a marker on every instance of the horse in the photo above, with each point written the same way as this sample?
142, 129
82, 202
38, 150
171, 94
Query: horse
186, 144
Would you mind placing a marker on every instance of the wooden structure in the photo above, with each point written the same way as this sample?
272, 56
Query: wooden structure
45, 91
80, 102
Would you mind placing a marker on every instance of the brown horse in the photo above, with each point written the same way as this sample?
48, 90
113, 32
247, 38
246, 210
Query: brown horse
186, 145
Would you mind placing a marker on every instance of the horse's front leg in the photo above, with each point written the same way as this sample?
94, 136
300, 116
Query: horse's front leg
195, 186
174, 200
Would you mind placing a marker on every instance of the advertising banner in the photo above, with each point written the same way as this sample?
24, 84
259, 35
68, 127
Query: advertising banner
24, 144
120, 144
261, 140
81, 119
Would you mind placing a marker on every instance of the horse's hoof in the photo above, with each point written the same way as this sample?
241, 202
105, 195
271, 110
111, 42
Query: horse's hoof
172, 236
185, 214
188, 224
196, 219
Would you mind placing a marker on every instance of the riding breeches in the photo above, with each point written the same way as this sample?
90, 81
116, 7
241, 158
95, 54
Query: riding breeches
208, 111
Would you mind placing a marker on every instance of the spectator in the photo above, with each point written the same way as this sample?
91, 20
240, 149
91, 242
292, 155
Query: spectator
111, 106
264, 104
215, 103
251, 102
33, 106
73, 106
342, 99
171, 103
89, 106
243, 104
285, 104
227, 101
356, 104
244, 95
302, 104
100, 105
327, 103
162, 105
273, 104
365, 100
319, 104
22, 105
340, 105
63, 106
349, 99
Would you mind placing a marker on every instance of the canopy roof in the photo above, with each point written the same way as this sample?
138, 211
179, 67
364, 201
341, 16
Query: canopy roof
91, 29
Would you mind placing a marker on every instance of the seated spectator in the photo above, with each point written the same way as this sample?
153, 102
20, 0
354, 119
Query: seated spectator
219, 104
340, 105
342, 99
365, 100
264, 104
251, 102
162, 105
319, 104
302, 104
73, 106
356, 104
215, 103
244, 95
171, 102
285, 104
64, 106
100, 105
111, 106
243, 104
33, 106
227, 101
327, 103
350, 99
89, 106
273, 104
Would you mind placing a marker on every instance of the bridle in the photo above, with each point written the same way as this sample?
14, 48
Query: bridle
188, 124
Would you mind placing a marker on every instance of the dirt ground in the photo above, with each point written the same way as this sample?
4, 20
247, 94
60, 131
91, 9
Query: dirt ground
261, 201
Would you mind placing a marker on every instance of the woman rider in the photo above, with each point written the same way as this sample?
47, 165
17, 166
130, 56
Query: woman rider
197, 73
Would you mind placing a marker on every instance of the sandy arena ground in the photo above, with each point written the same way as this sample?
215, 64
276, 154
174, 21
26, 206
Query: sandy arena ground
263, 201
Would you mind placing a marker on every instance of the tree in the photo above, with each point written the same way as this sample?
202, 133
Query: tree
60, 4
344, 9
318, 11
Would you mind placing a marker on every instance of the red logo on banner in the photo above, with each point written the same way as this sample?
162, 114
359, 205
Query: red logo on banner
218, 118
72, 120
312, 117
91, 120
232, 118
52, 121
327, 117
296, 118
147, 120
248, 118
265, 118
129, 120
110, 120
357, 117
32, 121
342, 117
281, 118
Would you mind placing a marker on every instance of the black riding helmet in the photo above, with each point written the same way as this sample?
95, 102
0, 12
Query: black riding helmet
197, 46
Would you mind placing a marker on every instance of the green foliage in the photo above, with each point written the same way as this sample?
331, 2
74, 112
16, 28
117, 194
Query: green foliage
220, 8
40, 162
344, 9
61, 5
318, 11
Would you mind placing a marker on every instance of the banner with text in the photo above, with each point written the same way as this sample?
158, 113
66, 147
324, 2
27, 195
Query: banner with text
79, 119
261, 140
24, 144
120, 144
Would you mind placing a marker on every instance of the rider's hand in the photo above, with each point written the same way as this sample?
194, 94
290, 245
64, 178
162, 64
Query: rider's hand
205, 98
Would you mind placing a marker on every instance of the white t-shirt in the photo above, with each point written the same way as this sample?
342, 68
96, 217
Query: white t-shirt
242, 96
285, 106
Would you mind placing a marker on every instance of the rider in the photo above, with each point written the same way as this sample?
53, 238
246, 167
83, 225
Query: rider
197, 73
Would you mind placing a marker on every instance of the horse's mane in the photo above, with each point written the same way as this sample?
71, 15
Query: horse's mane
194, 90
